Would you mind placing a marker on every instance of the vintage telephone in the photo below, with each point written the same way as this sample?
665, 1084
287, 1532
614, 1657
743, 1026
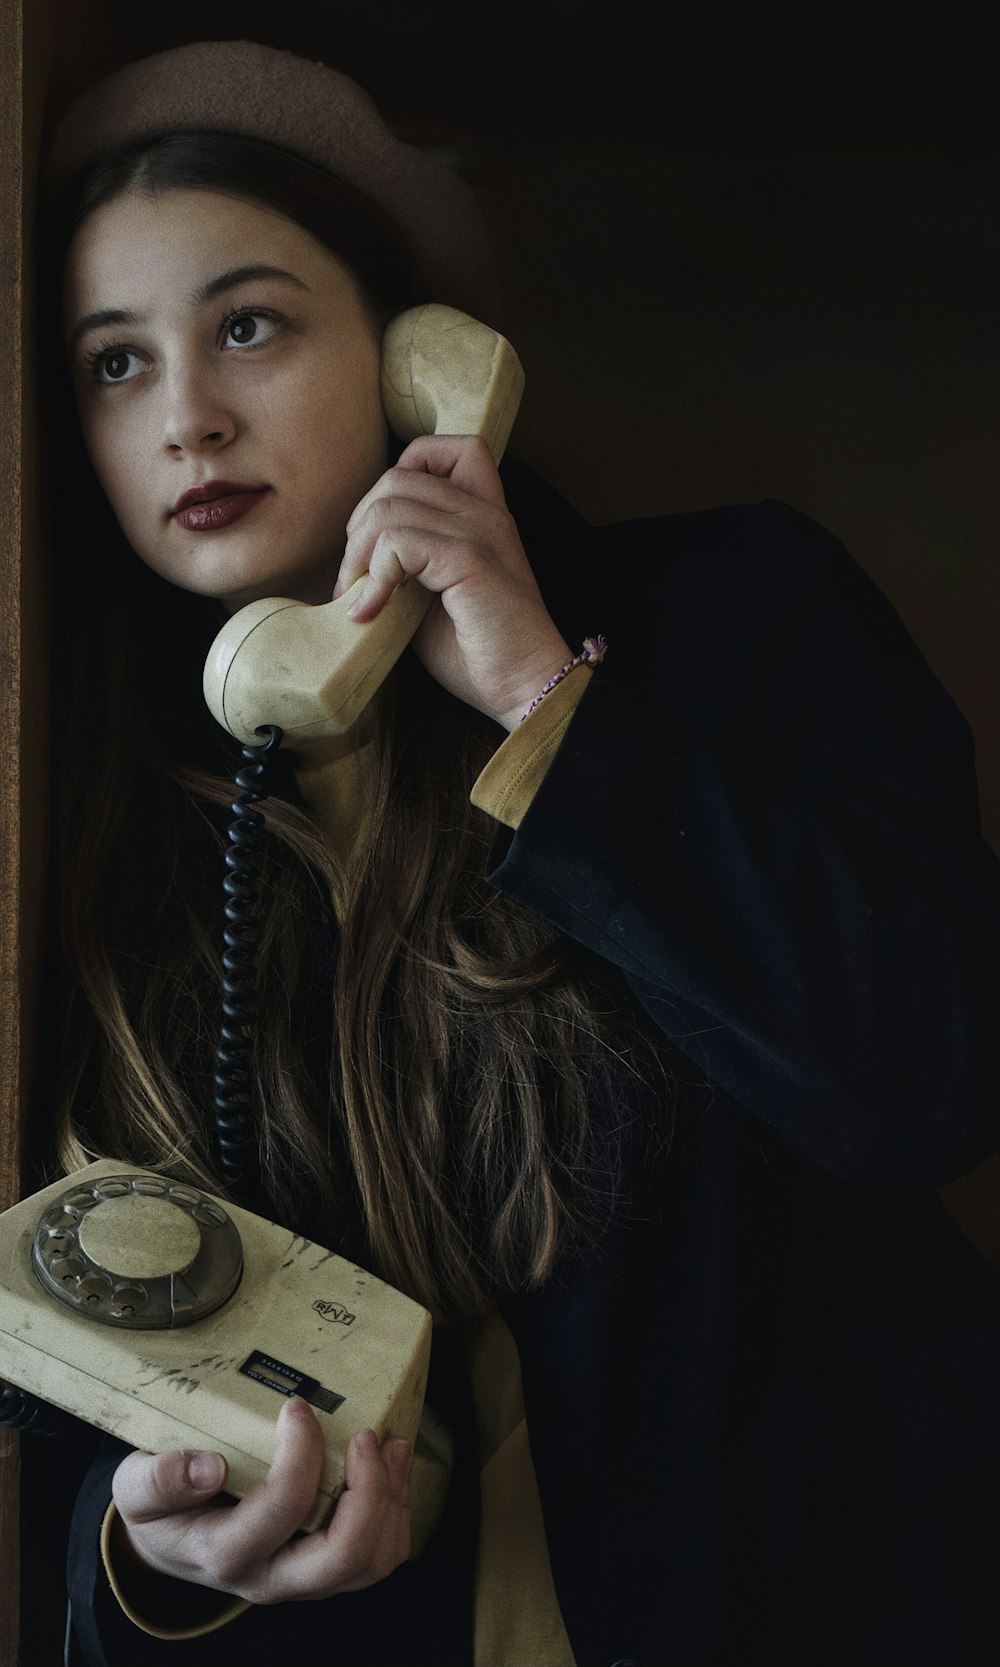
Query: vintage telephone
174, 1320
155, 1310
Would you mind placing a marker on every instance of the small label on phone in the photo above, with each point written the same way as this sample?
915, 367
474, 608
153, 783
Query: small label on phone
289, 1381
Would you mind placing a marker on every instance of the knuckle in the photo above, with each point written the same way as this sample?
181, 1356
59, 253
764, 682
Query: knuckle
168, 1477
385, 508
139, 1487
386, 547
228, 1564
500, 524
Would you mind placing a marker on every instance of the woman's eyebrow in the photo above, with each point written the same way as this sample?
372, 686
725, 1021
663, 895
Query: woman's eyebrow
205, 292
242, 275
98, 321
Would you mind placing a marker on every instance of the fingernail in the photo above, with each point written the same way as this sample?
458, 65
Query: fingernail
367, 1441
205, 1470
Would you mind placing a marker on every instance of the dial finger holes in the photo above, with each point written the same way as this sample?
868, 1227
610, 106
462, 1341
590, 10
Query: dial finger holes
83, 1199
186, 1196
60, 1219
68, 1267
116, 1187
94, 1287
57, 1242
141, 1251
127, 1299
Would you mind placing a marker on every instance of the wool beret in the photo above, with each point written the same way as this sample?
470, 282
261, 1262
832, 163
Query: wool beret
301, 106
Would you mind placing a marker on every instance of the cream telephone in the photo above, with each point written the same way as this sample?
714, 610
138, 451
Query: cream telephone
153, 1309
174, 1320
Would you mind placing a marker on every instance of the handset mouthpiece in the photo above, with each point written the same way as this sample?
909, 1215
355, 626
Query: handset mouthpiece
311, 669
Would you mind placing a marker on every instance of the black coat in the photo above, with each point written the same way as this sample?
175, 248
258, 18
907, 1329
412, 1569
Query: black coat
764, 1412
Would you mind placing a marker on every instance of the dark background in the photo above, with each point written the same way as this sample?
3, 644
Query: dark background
856, 74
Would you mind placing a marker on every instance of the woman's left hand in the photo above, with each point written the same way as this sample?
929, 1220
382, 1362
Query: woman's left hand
440, 517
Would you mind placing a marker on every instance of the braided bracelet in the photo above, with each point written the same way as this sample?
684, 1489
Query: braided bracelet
594, 650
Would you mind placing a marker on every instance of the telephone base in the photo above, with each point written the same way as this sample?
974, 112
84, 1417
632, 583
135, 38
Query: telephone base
301, 1321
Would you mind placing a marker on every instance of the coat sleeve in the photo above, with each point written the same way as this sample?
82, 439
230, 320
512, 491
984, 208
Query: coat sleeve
764, 812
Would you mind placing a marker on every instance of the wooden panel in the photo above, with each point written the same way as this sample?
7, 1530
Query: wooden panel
10, 786
24, 677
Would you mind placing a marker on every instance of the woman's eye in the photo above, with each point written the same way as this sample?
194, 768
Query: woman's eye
115, 364
249, 329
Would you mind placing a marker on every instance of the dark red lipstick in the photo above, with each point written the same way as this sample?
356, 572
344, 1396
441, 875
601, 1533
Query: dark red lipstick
216, 504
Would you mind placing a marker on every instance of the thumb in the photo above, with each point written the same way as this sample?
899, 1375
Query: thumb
149, 1485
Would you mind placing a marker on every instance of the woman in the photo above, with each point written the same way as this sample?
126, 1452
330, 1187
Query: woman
650, 1116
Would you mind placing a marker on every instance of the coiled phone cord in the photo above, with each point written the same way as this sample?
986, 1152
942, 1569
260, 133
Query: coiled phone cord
235, 1113
21, 1411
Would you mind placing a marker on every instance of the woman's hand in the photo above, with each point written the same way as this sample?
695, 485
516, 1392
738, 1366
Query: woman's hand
440, 517
166, 1514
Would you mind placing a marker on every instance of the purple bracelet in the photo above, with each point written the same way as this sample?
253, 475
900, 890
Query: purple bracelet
594, 650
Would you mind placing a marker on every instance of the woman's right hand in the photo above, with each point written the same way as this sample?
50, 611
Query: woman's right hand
169, 1523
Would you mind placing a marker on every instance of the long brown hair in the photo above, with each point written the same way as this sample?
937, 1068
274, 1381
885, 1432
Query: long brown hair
425, 1068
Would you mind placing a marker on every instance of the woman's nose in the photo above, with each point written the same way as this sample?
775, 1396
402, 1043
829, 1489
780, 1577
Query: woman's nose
197, 416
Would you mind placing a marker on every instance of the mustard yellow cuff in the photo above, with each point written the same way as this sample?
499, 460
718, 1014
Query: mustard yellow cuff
513, 775
148, 1599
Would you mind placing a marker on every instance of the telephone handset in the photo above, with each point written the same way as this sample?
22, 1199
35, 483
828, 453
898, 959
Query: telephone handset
312, 669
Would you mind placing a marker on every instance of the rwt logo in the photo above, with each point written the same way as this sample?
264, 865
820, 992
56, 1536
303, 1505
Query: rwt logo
333, 1311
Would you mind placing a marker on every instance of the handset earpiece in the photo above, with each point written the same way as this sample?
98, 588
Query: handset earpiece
312, 670
445, 373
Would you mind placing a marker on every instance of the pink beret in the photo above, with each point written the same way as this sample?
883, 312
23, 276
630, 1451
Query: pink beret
321, 114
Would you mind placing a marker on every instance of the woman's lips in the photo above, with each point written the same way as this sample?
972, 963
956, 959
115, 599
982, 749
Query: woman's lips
219, 512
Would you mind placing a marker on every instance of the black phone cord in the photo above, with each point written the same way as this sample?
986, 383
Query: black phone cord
235, 1111
21, 1411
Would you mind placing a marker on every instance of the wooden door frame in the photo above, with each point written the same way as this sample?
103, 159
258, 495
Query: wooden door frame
11, 927
24, 672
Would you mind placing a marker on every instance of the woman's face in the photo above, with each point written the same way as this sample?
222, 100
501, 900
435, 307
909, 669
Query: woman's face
234, 351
